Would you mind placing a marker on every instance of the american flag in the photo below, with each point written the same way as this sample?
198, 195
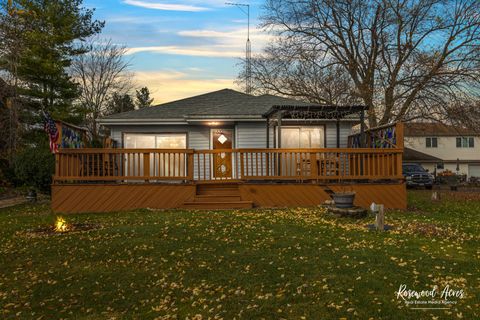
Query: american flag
52, 131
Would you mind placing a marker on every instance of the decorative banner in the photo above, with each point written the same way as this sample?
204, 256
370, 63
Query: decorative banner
71, 138
381, 138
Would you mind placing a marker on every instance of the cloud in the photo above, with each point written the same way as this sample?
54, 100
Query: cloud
168, 85
165, 6
199, 51
218, 44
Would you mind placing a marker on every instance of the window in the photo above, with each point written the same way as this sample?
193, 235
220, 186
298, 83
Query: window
161, 164
302, 137
465, 142
431, 142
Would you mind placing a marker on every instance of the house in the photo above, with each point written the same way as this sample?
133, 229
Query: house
227, 149
440, 147
194, 122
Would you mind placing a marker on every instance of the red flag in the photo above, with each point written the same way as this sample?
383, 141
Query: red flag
52, 131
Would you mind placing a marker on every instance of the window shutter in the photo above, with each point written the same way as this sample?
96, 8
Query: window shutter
470, 142
459, 142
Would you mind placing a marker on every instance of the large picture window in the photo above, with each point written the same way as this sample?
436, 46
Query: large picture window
161, 164
303, 137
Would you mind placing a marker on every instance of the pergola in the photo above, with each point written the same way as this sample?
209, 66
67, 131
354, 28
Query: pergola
312, 112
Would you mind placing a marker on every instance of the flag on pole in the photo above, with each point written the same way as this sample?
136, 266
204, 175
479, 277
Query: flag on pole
52, 131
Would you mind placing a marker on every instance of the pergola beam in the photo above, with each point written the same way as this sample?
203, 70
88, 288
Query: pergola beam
305, 112
315, 111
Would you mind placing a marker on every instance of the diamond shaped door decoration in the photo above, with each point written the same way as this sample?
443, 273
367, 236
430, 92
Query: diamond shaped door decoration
222, 139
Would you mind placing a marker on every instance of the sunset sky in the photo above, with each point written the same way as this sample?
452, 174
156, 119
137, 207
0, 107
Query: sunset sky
180, 48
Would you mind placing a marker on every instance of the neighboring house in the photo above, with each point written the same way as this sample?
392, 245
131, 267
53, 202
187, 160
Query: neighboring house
227, 149
442, 147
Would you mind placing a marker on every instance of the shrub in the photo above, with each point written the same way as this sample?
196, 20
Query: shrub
34, 167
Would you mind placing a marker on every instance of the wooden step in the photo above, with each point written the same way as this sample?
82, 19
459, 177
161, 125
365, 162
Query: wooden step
218, 185
219, 192
215, 205
218, 189
217, 198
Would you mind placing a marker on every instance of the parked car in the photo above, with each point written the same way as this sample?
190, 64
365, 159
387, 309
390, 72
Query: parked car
417, 176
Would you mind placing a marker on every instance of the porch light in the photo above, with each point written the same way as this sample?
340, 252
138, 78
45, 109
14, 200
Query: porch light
213, 123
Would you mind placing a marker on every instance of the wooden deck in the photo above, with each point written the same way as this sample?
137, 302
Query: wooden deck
75, 198
98, 180
186, 165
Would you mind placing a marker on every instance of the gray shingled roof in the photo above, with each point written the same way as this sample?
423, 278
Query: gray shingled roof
224, 102
422, 129
414, 155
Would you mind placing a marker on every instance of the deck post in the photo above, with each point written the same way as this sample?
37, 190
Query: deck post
190, 166
279, 145
242, 168
362, 129
362, 137
274, 136
313, 166
268, 147
279, 130
399, 139
338, 133
274, 155
146, 165
268, 133
57, 166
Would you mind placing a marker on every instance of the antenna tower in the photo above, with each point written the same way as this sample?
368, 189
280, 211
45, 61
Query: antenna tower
248, 47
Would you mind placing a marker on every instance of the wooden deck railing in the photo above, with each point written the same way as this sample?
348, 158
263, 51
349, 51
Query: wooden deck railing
383, 137
187, 165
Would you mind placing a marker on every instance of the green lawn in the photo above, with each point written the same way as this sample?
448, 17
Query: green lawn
292, 264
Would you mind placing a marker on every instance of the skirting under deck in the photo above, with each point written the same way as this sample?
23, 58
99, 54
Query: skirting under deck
75, 198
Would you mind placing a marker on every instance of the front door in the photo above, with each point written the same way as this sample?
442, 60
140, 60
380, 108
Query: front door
222, 139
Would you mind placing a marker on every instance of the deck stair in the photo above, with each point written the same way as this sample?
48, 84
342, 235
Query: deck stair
217, 196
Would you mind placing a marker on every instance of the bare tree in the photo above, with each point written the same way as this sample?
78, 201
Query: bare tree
100, 73
404, 58
284, 69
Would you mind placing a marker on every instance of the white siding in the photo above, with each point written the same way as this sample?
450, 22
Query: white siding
198, 137
252, 135
345, 131
447, 148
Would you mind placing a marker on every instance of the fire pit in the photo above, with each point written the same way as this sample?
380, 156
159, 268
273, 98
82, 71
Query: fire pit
62, 227
353, 212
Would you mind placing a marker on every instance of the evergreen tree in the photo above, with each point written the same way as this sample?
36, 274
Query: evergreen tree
143, 98
120, 103
52, 34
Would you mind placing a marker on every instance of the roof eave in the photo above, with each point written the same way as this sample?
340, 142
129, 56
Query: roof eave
140, 121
